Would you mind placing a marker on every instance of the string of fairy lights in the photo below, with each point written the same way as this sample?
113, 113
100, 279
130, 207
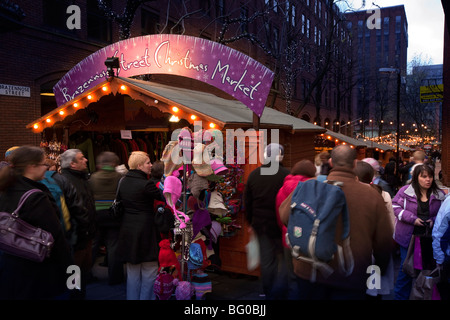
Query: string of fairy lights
408, 137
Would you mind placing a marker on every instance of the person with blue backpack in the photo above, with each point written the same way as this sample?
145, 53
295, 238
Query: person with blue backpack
441, 248
332, 257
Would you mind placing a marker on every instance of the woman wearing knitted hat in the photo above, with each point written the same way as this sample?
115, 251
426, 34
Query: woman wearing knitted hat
139, 237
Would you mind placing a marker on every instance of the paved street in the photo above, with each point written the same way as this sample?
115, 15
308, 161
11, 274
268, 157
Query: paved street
225, 286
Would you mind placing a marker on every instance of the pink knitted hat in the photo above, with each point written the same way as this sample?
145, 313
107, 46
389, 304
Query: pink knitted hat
172, 192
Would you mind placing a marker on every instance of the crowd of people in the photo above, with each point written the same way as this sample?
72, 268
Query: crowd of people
390, 210
74, 208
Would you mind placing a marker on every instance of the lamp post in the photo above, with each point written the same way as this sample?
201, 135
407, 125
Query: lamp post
397, 71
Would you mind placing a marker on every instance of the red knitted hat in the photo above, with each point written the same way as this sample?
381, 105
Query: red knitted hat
167, 257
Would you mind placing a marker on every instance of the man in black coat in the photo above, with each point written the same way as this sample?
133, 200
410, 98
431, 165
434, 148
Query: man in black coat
74, 169
260, 194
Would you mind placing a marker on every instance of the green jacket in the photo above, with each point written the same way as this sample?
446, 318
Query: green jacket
104, 185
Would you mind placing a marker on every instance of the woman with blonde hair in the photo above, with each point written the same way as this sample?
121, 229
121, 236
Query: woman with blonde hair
139, 237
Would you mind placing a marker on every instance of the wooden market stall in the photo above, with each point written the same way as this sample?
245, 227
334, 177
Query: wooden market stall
141, 110
223, 90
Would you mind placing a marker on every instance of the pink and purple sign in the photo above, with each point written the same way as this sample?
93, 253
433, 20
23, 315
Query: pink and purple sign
233, 72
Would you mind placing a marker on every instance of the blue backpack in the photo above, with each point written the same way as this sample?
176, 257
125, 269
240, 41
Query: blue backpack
311, 231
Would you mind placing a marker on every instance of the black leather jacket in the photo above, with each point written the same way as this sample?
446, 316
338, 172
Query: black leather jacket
82, 203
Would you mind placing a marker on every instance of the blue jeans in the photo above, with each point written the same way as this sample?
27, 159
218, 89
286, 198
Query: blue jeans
140, 280
403, 284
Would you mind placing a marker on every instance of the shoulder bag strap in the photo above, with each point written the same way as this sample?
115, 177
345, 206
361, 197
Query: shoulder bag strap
22, 201
118, 187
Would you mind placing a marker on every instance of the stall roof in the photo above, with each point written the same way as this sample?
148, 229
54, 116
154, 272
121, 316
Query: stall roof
346, 139
381, 146
384, 147
226, 111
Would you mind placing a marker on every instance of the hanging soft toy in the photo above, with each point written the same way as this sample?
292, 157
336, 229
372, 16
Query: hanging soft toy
172, 192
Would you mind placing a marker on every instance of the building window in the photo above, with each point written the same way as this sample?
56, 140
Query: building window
54, 13
98, 25
308, 25
220, 9
303, 23
398, 23
320, 10
292, 14
276, 39
360, 28
386, 25
206, 7
149, 22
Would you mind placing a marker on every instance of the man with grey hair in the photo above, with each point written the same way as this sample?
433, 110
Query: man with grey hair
260, 193
74, 169
370, 234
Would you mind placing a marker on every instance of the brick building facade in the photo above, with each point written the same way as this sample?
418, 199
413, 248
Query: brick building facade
38, 48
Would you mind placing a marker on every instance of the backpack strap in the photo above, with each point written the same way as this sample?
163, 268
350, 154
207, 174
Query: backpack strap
22, 201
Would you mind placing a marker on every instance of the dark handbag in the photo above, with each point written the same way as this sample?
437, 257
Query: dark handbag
21, 239
116, 210
408, 264
424, 287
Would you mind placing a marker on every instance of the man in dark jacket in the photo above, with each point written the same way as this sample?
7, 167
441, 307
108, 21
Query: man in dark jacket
260, 195
104, 183
74, 169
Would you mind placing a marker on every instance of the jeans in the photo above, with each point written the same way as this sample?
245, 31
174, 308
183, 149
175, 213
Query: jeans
140, 280
403, 284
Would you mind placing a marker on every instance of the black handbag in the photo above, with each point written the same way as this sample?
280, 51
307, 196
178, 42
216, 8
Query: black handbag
116, 210
21, 239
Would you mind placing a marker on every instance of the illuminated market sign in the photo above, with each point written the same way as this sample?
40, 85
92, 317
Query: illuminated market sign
227, 69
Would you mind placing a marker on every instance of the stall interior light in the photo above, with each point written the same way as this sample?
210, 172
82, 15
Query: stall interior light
89, 97
61, 112
36, 126
174, 118
175, 109
193, 117
76, 104
104, 88
123, 87
212, 125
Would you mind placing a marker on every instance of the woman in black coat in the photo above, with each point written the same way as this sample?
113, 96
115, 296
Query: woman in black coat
21, 278
139, 237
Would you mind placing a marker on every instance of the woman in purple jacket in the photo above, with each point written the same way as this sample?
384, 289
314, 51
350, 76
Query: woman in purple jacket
415, 208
